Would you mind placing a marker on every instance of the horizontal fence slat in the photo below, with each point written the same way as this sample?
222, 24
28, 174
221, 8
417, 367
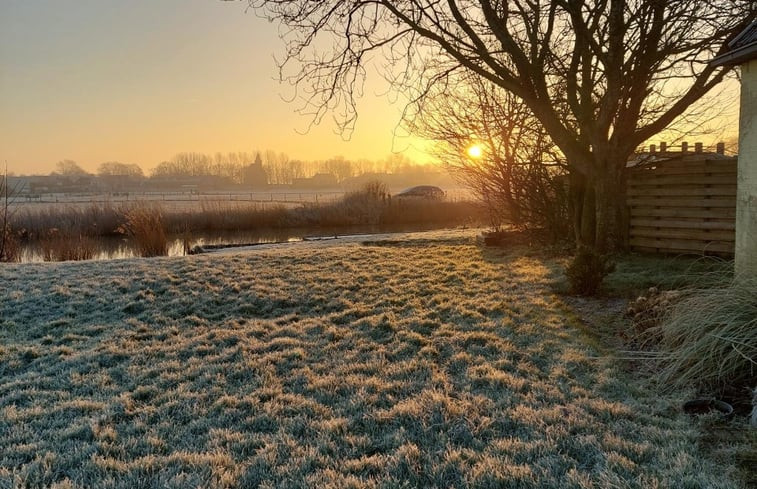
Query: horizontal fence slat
645, 249
684, 244
682, 202
681, 233
683, 191
693, 170
688, 168
686, 179
725, 213
728, 225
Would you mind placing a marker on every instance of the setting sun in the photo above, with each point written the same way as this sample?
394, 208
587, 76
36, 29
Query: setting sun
475, 151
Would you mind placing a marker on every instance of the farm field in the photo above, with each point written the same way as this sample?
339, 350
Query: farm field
413, 361
192, 201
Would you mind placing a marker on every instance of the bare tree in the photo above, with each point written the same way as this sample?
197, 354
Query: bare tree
337, 166
601, 76
115, 168
515, 170
69, 168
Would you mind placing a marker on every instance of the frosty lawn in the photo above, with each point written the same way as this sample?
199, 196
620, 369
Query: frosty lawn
422, 362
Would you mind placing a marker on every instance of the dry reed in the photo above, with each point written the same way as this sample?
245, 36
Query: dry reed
145, 225
61, 246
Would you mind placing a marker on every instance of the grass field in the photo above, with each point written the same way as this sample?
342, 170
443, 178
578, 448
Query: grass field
417, 362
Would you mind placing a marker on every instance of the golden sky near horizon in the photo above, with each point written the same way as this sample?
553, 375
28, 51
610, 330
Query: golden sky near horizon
138, 81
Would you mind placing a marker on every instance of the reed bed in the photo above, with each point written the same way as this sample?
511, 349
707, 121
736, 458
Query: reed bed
58, 246
68, 227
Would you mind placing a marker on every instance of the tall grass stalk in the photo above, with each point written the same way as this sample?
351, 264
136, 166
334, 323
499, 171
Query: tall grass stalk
9, 248
145, 225
709, 339
57, 246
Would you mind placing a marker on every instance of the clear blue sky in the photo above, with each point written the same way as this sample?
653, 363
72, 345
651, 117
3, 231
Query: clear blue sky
139, 80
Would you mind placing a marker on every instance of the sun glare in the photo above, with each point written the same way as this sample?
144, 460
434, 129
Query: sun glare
475, 151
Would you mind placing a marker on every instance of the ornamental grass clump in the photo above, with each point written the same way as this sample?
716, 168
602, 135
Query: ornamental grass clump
709, 339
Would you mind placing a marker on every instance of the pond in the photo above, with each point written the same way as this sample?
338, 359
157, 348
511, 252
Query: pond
109, 248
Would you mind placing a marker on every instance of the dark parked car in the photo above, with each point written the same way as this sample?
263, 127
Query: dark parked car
423, 192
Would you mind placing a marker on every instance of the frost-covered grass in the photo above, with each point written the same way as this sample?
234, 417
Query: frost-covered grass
422, 362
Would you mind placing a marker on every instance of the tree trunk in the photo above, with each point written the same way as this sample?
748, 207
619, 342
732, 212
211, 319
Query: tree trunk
611, 210
598, 209
583, 209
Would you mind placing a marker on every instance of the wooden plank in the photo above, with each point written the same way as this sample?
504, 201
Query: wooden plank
673, 251
690, 170
725, 213
687, 179
682, 202
727, 225
686, 168
679, 233
684, 244
682, 191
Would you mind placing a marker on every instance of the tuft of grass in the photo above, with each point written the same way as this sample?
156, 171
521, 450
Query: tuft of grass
145, 225
62, 246
709, 338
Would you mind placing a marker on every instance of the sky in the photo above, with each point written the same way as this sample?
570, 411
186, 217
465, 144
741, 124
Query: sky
138, 81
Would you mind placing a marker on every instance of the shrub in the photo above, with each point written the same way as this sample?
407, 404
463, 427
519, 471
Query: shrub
60, 246
145, 225
587, 271
709, 339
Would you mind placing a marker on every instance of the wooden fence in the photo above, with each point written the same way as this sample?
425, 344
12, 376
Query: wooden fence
683, 205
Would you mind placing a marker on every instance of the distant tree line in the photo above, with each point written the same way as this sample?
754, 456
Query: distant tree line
279, 168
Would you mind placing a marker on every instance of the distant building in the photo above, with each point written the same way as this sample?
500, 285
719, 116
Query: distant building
19, 186
254, 175
40, 184
190, 184
317, 181
120, 183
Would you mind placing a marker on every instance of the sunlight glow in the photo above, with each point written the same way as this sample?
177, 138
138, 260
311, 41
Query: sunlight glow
475, 151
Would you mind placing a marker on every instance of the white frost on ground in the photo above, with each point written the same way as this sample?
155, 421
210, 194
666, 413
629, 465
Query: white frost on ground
420, 361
